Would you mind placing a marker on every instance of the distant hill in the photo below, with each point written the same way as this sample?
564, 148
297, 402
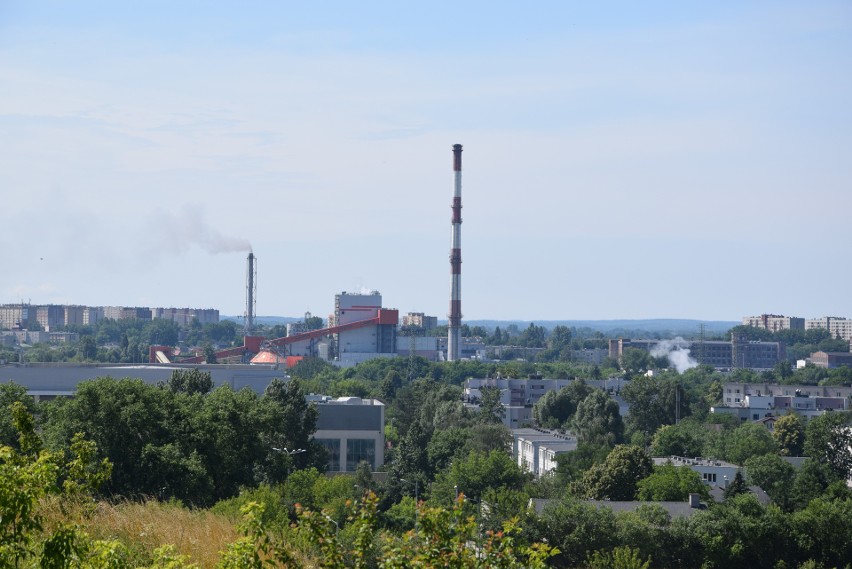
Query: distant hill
626, 328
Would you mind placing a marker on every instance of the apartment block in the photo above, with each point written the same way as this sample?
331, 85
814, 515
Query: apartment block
774, 322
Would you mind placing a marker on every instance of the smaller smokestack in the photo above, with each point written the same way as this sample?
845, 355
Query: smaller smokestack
251, 294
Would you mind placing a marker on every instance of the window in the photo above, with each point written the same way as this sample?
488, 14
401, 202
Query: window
358, 450
333, 447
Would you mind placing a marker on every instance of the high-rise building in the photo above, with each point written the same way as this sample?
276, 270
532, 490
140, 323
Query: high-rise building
836, 326
774, 322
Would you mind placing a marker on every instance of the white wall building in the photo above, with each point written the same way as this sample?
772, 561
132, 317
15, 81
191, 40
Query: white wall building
519, 395
713, 472
535, 450
838, 327
352, 429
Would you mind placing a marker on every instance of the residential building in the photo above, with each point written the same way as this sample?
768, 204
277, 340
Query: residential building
183, 317
74, 315
713, 472
753, 402
519, 395
535, 450
127, 313
420, 320
16, 316
774, 322
673, 509
593, 356
836, 326
50, 316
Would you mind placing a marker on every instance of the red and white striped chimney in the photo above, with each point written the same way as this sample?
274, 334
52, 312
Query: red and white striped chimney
454, 328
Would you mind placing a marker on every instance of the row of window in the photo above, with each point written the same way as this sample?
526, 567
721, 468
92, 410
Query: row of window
357, 450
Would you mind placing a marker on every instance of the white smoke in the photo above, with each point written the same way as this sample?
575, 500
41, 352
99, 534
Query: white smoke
188, 227
677, 351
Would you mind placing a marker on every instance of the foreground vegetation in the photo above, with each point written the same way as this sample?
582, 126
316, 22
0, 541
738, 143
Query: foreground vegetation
195, 469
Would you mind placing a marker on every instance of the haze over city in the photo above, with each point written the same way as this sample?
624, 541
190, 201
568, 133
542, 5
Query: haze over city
621, 160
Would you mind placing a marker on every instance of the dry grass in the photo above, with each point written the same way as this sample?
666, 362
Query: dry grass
142, 527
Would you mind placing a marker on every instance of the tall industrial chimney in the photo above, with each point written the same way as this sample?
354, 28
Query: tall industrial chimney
251, 295
454, 328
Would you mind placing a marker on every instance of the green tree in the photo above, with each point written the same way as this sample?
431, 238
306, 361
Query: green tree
789, 434
476, 473
11, 393
747, 440
828, 439
736, 487
190, 381
576, 529
209, 354
26, 477
617, 478
635, 361
655, 402
556, 408
688, 438
295, 422
618, 558
671, 483
491, 409
598, 420
823, 531
774, 476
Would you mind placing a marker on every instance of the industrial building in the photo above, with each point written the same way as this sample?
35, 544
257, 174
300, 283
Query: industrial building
51, 380
737, 353
831, 360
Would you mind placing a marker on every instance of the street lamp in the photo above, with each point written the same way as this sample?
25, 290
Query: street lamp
288, 452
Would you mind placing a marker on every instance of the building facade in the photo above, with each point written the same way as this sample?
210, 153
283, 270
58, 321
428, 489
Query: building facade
756, 401
737, 353
518, 396
774, 322
420, 320
836, 326
831, 360
714, 473
13, 316
183, 317
352, 429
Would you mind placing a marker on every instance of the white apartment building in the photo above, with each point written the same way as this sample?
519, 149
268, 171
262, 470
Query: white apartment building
716, 473
836, 326
535, 450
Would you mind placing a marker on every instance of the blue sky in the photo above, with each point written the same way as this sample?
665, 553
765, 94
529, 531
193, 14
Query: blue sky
622, 160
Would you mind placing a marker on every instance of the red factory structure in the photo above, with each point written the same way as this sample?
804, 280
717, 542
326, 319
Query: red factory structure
358, 330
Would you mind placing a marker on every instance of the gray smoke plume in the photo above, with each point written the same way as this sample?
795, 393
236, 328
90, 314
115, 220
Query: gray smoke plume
188, 227
677, 351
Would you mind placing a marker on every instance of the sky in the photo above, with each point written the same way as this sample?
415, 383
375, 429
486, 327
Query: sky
621, 159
